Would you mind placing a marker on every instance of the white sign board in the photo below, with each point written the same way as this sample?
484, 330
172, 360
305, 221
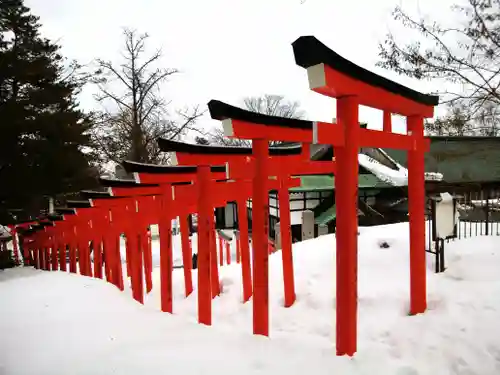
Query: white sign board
446, 216
229, 212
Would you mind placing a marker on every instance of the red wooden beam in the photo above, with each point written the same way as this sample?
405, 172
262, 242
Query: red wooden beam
373, 138
330, 82
244, 169
161, 175
332, 75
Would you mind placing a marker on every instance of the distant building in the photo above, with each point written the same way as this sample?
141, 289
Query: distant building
468, 165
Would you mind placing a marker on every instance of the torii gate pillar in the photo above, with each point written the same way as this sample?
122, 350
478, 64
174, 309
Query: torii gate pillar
346, 198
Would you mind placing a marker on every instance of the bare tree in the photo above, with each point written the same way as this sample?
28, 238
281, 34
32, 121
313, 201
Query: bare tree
272, 105
487, 121
134, 114
455, 123
466, 54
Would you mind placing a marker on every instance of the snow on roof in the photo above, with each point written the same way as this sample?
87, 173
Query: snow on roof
395, 177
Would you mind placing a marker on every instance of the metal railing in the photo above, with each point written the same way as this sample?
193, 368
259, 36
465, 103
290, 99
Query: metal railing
478, 214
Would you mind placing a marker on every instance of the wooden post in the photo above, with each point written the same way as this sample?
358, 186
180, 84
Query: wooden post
416, 198
62, 255
54, 255
260, 230
238, 249
214, 268
286, 244
221, 251
72, 249
148, 257
246, 268
387, 122
346, 191
117, 263
228, 252
135, 261
108, 257
186, 254
166, 261
98, 256
204, 247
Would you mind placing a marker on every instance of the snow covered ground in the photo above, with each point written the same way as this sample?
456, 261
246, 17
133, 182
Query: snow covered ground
58, 323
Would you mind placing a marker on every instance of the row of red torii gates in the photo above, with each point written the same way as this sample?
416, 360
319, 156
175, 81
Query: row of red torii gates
206, 177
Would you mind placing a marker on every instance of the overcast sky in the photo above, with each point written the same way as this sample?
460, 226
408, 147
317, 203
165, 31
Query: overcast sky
229, 49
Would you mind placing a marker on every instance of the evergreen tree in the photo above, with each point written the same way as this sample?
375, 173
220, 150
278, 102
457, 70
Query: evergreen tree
42, 131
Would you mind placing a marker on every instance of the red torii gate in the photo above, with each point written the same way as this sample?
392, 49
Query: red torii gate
68, 228
267, 128
125, 215
237, 190
332, 75
59, 243
283, 162
102, 213
130, 202
41, 241
166, 176
87, 228
44, 240
50, 245
85, 233
115, 218
186, 199
183, 204
79, 224
146, 198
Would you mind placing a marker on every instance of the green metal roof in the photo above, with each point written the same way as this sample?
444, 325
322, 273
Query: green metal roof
326, 216
324, 183
330, 214
460, 159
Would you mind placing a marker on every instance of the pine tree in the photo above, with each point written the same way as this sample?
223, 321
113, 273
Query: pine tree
42, 131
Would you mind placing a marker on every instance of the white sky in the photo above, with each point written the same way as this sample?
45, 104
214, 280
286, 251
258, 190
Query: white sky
229, 49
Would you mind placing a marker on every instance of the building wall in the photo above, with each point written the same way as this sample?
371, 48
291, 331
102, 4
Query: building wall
299, 202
